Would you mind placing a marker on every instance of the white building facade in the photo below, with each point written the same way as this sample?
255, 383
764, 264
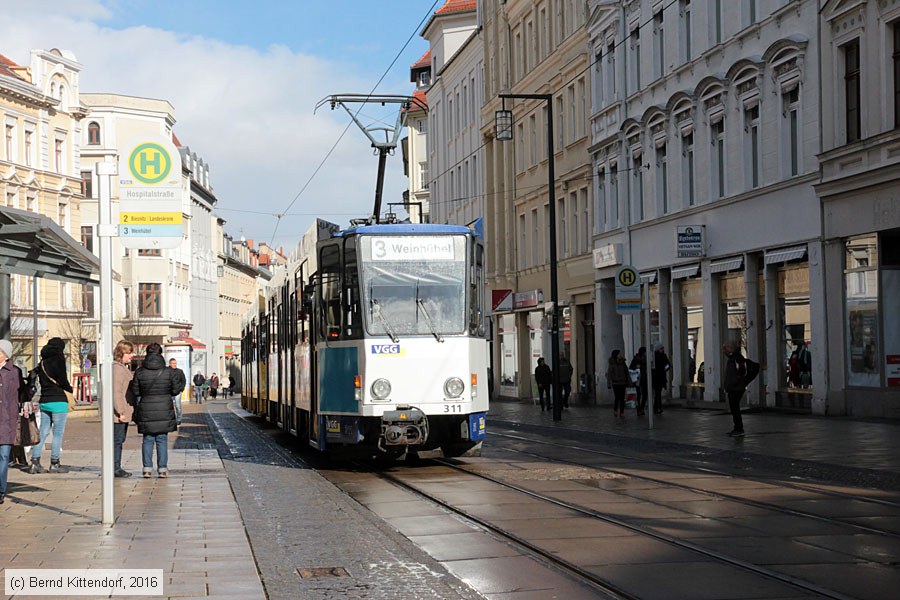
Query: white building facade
705, 130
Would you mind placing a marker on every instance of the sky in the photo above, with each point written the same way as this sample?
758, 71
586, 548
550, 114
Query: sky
244, 78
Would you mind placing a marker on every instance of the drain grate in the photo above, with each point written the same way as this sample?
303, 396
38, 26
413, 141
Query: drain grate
317, 572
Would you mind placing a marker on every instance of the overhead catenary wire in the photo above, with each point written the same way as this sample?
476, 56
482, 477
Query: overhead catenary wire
415, 32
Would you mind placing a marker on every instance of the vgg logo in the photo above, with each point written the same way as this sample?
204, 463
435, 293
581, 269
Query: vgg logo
386, 349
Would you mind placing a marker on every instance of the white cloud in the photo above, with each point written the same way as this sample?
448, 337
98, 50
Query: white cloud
248, 113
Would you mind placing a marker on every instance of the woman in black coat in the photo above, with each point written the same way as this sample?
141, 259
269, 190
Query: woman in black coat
54, 404
155, 384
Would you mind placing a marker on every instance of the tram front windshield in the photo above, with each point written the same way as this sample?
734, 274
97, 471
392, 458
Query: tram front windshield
414, 285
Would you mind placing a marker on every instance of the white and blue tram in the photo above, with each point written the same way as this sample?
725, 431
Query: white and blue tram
372, 343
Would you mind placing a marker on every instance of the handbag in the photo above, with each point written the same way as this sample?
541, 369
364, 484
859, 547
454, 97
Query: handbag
70, 397
28, 433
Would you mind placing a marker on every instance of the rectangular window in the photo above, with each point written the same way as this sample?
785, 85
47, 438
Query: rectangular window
662, 179
423, 175
127, 311
573, 115
862, 316
751, 141
562, 239
717, 21
751, 11
150, 299
659, 46
560, 116
573, 222
613, 194
791, 128
582, 112
687, 177
852, 90
636, 59
10, 142
638, 186
585, 219
895, 28
149, 252
718, 143
600, 202
87, 300
520, 146
58, 154
532, 133
535, 238
87, 237
522, 244
598, 82
611, 70
685, 14
87, 184
547, 232
29, 136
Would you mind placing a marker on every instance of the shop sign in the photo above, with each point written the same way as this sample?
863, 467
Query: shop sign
628, 291
892, 370
501, 300
608, 255
229, 351
689, 241
528, 299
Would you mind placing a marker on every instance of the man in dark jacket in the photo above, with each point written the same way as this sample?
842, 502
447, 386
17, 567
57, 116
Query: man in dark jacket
639, 363
155, 385
735, 371
54, 404
543, 376
198, 380
661, 372
181, 380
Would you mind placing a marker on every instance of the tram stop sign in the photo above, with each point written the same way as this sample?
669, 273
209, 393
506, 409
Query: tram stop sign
150, 194
628, 291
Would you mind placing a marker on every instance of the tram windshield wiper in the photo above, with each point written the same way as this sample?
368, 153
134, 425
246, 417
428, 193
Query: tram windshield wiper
421, 304
378, 312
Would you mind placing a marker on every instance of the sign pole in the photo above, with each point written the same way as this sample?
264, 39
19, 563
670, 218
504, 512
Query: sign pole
650, 359
106, 231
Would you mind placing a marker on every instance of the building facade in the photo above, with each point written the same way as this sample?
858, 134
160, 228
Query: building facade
41, 116
705, 129
538, 48
860, 203
415, 144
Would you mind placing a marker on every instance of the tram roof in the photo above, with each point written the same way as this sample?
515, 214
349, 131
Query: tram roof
406, 229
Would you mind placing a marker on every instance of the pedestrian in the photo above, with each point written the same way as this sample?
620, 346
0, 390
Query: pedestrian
543, 376
10, 409
182, 381
565, 380
617, 378
639, 363
198, 381
54, 404
661, 372
27, 390
231, 384
155, 385
735, 371
213, 385
123, 401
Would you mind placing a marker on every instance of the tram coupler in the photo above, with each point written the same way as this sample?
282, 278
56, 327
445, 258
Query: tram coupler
406, 426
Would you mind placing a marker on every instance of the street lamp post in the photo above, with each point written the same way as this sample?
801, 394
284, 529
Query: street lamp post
503, 122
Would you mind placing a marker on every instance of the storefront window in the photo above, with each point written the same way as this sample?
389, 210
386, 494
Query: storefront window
509, 357
692, 324
796, 336
734, 310
861, 289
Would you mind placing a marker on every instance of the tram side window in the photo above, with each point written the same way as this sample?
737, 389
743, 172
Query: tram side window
352, 316
330, 290
476, 292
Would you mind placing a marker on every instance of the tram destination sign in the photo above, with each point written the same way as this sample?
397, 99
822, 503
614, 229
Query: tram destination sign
437, 247
690, 241
150, 212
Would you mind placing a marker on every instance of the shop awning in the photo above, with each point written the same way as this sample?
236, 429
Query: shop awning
729, 264
648, 277
32, 244
685, 271
195, 344
785, 254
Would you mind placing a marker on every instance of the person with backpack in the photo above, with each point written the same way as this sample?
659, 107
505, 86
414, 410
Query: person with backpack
199, 380
155, 384
739, 372
54, 404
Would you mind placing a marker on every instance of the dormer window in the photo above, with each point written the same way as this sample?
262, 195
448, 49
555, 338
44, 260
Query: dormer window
94, 134
424, 78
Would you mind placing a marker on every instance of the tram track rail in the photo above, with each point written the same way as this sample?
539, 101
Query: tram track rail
710, 493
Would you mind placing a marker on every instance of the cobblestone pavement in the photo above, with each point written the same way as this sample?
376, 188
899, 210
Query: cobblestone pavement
837, 449
297, 520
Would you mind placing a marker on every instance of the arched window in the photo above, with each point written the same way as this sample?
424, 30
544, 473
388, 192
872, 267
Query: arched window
94, 134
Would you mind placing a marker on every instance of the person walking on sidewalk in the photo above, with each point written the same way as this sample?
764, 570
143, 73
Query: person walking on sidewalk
617, 378
565, 380
54, 404
661, 372
198, 382
543, 376
155, 385
639, 363
213, 385
10, 378
735, 371
182, 381
123, 401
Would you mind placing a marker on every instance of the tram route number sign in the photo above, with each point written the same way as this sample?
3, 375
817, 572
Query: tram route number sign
628, 290
150, 194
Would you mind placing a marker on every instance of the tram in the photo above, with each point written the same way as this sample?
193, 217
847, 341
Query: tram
372, 341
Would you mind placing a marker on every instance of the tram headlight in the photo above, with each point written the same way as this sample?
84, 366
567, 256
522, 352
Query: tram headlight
381, 389
454, 387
